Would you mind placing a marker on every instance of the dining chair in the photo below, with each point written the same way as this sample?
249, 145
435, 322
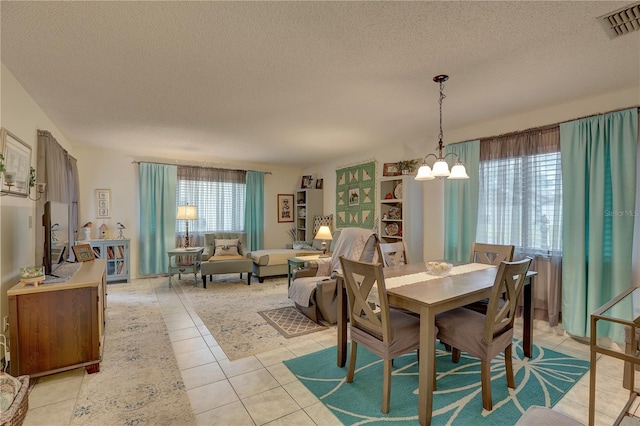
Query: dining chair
485, 336
491, 254
386, 332
488, 254
393, 254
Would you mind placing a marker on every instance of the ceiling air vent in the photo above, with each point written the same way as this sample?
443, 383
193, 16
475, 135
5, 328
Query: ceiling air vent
622, 21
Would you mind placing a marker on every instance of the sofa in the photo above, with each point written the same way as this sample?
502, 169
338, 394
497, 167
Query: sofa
314, 287
274, 262
225, 253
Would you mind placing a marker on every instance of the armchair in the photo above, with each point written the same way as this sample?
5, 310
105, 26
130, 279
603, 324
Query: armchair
314, 289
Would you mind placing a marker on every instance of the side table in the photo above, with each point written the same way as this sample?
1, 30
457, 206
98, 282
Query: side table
185, 260
622, 312
297, 262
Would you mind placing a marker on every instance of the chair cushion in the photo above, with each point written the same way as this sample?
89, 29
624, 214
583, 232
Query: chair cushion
464, 329
405, 332
226, 247
226, 257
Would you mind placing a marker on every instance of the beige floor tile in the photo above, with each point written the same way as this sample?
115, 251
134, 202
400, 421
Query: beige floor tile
189, 345
305, 348
298, 418
193, 359
321, 415
275, 356
70, 374
184, 334
270, 405
300, 394
211, 342
50, 392
231, 414
58, 414
213, 395
218, 353
179, 324
240, 366
253, 382
281, 373
202, 375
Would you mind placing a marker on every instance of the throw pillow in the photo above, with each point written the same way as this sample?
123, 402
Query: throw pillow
301, 245
226, 247
9, 388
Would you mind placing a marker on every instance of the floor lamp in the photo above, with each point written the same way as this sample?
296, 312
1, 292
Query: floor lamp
187, 213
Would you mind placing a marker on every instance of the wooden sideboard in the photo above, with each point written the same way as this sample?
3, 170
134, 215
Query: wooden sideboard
59, 326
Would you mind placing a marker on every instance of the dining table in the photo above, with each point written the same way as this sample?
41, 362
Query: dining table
412, 288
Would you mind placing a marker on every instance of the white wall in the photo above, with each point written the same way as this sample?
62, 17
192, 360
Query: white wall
23, 117
115, 170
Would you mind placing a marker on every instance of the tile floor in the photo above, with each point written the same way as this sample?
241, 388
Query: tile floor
260, 390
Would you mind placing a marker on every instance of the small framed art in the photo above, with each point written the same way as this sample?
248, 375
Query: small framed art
307, 182
390, 169
285, 208
17, 161
103, 203
354, 197
83, 252
319, 183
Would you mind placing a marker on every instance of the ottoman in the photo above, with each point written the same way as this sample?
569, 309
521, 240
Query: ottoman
226, 265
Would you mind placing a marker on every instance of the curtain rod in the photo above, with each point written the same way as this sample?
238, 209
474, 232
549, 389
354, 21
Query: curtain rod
551, 126
201, 167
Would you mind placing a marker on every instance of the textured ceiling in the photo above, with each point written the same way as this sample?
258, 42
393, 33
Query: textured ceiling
302, 82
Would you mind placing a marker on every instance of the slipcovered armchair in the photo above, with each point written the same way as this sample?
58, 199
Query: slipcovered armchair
314, 288
225, 253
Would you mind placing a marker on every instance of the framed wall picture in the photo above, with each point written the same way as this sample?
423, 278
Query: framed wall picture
17, 162
83, 252
103, 203
285, 208
390, 169
307, 182
319, 183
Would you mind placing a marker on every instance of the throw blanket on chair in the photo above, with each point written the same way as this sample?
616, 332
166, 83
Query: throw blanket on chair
350, 244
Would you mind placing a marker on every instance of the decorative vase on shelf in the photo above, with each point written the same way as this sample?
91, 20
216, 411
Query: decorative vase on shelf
405, 172
87, 233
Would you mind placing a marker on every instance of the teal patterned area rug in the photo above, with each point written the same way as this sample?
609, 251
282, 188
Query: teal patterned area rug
540, 380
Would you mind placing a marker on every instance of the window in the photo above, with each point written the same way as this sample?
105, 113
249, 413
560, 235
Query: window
520, 193
218, 194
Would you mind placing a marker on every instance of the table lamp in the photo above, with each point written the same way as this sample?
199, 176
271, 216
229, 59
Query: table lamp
324, 234
187, 213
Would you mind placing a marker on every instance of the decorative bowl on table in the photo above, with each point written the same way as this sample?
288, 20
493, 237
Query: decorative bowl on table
439, 268
31, 272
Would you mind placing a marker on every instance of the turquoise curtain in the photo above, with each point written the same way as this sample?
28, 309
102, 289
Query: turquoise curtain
157, 216
461, 203
254, 210
598, 196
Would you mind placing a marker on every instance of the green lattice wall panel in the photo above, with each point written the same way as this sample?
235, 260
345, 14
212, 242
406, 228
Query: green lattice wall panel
356, 196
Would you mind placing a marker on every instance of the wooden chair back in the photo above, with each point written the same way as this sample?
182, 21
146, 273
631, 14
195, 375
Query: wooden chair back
392, 254
491, 254
360, 279
509, 282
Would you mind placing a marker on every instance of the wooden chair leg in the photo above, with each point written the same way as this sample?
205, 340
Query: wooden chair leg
455, 355
352, 362
386, 386
485, 375
508, 366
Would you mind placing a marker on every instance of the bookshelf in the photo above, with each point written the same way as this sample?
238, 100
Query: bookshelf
116, 253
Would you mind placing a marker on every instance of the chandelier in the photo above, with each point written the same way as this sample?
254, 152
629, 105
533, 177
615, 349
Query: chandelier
440, 167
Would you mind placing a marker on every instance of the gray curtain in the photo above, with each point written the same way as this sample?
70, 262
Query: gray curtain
514, 214
191, 191
59, 171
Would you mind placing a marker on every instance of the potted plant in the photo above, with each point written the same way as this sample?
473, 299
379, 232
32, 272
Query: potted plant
407, 166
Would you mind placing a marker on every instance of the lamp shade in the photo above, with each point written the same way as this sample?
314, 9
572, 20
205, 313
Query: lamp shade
424, 173
441, 168
458, 171
324, 233
187, 212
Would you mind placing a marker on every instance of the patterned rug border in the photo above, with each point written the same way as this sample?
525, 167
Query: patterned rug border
284, 333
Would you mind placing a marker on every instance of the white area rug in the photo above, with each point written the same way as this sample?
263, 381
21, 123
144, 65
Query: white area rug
230, 310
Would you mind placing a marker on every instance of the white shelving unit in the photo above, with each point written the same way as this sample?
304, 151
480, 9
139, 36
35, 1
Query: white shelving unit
400, 216
116, 252
308, 205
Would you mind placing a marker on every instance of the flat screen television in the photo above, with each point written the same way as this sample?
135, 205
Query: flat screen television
57, 240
